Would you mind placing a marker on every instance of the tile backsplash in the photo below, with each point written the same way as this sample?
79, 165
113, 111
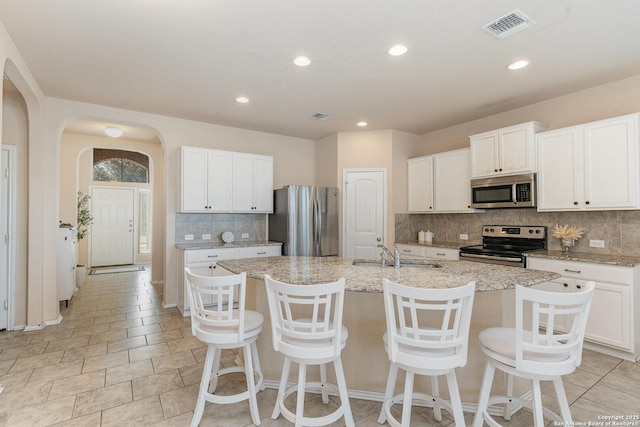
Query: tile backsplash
197, 224
620, 230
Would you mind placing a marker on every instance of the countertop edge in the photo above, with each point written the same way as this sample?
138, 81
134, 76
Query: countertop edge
222, 245
608, 259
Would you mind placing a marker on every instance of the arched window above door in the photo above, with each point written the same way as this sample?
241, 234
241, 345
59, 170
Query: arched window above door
120, 166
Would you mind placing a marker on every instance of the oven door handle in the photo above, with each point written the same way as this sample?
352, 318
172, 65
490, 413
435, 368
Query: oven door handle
490, 257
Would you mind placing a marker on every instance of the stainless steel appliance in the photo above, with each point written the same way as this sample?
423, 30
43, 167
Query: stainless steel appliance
513, 191
506, 244
305, 220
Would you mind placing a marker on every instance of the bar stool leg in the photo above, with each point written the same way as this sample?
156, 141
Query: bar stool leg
302, 380
388, 393
282, 388
256, 365
407, 398
562, 402
344, 396
485, 390
508, 408
204, 385
323, 380
456, 402
251, 385
435, 392
215, 368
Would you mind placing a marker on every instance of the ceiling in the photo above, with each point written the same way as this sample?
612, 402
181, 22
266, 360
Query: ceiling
191, 59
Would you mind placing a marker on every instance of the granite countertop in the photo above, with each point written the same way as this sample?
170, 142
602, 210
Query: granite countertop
446, 245
310, 270
222, 245
611, 259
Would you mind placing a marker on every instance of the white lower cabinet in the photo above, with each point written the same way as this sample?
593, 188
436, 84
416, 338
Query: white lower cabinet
615, 301
433, 252
203, 262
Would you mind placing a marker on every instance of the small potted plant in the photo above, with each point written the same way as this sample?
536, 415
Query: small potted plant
567, 235
84, 219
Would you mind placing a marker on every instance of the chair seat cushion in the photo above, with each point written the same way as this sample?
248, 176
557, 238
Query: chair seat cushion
502, 341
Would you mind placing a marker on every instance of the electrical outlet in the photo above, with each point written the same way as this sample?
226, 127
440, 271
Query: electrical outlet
206, 237
464, 236
188, 237
245, 235
596, 243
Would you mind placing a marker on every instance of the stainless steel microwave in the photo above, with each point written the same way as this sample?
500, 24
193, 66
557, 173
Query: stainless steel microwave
514, 191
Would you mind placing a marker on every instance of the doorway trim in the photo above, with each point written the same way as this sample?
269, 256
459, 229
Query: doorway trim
345, 173
12, 162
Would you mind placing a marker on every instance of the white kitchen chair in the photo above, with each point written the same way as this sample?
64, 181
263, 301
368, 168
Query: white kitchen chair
216, 322
427, 334
306, 323
536, 354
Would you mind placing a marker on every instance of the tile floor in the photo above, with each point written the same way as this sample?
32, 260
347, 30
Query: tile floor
119, 358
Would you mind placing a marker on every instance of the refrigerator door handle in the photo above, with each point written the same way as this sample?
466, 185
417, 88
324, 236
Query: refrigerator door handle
317, 226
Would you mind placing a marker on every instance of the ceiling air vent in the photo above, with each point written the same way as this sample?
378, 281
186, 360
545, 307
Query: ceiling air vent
509, 24
321, 116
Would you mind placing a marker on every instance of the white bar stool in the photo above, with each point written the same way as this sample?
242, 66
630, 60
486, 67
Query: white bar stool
306, 323
527, 351
216, 322
427, 334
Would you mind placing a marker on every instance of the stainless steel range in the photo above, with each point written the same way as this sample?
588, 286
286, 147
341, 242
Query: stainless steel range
506, 244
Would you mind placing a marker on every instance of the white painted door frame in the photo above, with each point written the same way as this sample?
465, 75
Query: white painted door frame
8, 218
345, 203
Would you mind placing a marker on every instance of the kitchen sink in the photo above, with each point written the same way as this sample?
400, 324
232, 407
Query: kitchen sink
403, 263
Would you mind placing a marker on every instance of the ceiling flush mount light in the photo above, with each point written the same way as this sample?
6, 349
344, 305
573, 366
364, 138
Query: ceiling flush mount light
302, 61
362, 124
517, 65
398, 50
113, 132
242, 99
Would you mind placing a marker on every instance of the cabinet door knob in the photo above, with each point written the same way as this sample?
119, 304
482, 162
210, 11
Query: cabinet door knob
566, 285
495, 170
575, 203
587, 202
579, 286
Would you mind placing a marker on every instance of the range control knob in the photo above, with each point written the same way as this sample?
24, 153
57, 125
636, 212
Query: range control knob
530, 231
538, 231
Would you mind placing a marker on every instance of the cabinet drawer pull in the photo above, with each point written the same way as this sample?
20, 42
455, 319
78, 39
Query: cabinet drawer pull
406, 250
440, 254
572, 271
262, 253
212, 256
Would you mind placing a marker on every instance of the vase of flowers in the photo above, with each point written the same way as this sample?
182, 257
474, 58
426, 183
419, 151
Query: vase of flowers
567, 235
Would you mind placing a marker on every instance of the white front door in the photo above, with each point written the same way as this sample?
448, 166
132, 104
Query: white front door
113, 224
364, 212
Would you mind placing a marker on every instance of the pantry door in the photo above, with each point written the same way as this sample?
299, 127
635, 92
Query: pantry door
113, 224
364, 207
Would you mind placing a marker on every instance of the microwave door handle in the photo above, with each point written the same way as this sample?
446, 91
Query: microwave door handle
514, 193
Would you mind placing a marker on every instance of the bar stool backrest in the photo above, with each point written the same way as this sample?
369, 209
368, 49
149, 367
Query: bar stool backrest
211, 299
428, 327
306, 320
540, 346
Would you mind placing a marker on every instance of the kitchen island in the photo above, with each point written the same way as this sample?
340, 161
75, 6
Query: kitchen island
364, 357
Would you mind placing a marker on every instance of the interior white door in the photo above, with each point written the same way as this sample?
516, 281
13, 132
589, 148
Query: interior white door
113, 224
364, 213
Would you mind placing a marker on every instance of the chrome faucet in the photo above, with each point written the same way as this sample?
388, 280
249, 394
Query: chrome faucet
395, 257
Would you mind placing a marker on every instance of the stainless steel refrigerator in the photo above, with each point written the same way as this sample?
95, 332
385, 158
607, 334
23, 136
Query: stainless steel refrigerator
305, 220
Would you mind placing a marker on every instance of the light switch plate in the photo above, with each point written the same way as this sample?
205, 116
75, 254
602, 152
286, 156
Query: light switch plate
464, 236
245, 235
206, 237
596, 243
188, 237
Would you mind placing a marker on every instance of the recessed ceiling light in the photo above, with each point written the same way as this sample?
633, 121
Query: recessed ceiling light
242, 99
113, 132
398, 50
517, 65
362, 124
302, 61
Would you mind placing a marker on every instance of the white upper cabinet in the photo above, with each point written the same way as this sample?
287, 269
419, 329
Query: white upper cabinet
505, 151
420, 184
440, 183
589, 167
206, 180
452, 172
252, 183
225, 181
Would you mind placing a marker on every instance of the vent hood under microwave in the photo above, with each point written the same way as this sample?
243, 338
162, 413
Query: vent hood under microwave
513, 191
